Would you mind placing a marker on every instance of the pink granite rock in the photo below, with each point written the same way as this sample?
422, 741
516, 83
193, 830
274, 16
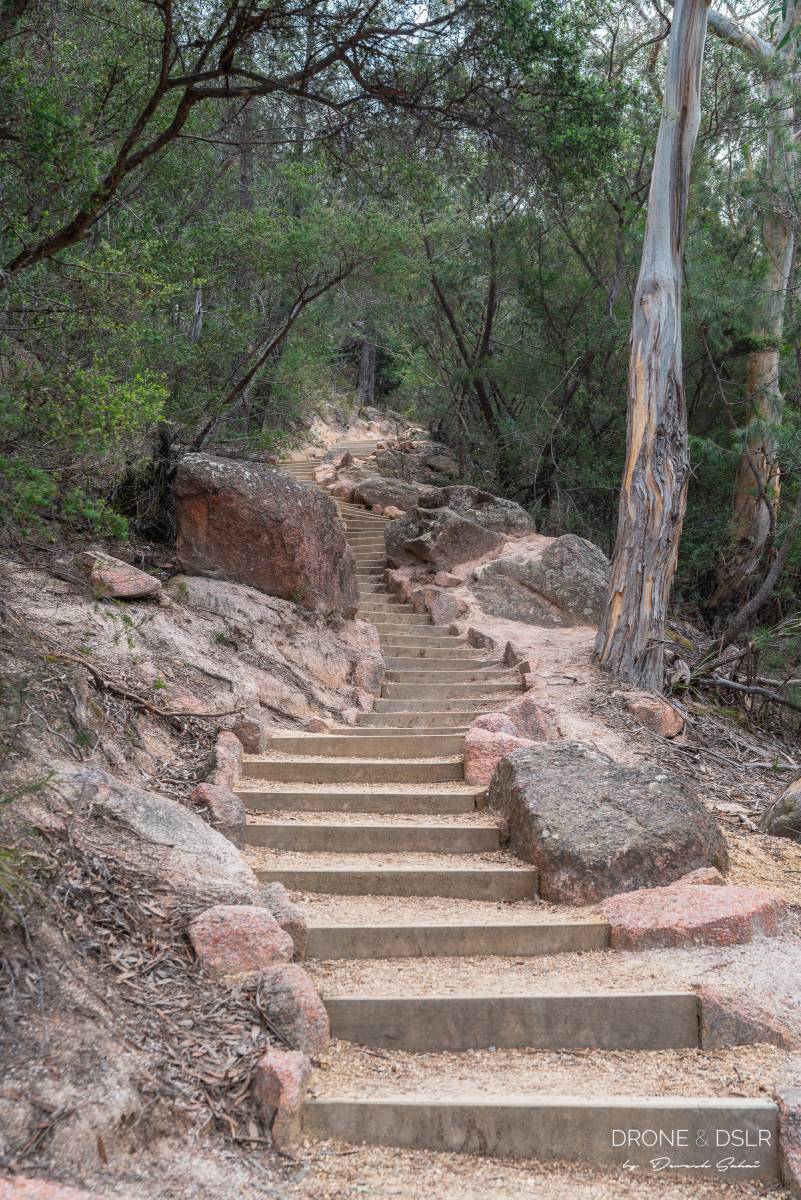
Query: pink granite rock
317, 725
279, 1087
249, 729
533, 719
327, 473
484, 749
392, 512
446, 579
442, 607
342, 489
707, 875
234, 939
289, 915
734, 1016
227, 760
226, 812
655, 713
20, 1188
113, 577
495, 722
295, 1007
789, 1102
691, 915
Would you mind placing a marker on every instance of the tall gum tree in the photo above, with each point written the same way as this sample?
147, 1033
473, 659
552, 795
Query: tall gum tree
756, 490
653, 492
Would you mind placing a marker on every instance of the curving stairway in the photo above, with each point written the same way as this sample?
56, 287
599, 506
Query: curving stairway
426, 938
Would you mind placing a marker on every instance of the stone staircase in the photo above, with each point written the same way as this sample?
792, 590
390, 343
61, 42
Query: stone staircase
427, 939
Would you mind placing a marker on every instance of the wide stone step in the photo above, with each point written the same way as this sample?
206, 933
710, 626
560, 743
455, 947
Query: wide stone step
461, 704
349, 743
701, 1135
458, 883
420, 802
439, 939
551, 1021
414, 721
446, 691
322, 838
487, 675
353, 770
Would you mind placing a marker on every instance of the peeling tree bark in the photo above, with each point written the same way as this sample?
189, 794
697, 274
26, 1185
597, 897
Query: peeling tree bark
654, 488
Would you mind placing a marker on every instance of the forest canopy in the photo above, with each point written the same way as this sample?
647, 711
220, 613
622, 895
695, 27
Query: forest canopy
214, 215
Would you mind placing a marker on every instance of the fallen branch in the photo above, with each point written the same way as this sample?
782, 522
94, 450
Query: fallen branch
108, 685
749, 689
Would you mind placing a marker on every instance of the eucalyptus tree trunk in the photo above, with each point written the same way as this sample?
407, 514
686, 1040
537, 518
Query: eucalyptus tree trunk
366, 386
653, 492
757, 478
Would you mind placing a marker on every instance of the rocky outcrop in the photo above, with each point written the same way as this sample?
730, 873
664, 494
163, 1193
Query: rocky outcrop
237, 939
437, 536
117, 579
396, 493
782, 817
161, 838
485, 508
565, 584
242, 521
594, 827
418, 461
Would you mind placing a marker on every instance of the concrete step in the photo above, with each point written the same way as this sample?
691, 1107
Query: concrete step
707, 1130
420, 802
392, 608
353, 770
403, 621
385, 599
440, 939
486, 675
551, 1021
372, 838
414, 721
447, 691
438, 662
419, 707
434, 646
458, 883
398, 729
356, 745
